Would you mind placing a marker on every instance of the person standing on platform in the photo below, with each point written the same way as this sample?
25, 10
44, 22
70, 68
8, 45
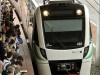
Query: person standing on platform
9, 56
1, 65
2, 50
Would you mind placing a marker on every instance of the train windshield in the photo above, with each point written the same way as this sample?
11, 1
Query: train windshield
63, 34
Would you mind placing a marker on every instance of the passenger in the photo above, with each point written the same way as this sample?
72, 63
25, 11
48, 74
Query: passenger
15, 68
3, 31
17, 57
10, 46
1, 40
4, 7
7, 27
8, 59
18, 30
11, 8
1, 17
12, 36
20, 58
11, 24
8, 71
2, 50
16, 44
7, 16
1, 65
0, 28
11, 14
18, 33
4, 72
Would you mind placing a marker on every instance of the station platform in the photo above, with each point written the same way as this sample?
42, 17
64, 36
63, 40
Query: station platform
24, 50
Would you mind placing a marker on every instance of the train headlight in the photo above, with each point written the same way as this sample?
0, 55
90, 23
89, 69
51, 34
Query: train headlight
79, 12
45, 13
86, 51
43, 53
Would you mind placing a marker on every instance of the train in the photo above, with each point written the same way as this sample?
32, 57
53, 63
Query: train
61, 39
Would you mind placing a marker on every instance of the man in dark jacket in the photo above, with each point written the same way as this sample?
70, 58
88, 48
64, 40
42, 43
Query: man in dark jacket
2, 50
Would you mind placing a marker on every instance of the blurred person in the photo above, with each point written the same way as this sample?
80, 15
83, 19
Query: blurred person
17, 57
10, 46
16, 44
1, 65
7, 60
17, 29
4, 7
14, 69
20, 58
11, 13
8, 71
3, 30
2, 50
12, 36
1, 17
17, 65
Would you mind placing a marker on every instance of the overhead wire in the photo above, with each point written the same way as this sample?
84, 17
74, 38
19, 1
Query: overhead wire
91, 5
97, 3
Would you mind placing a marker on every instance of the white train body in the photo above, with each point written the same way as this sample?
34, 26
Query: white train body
61, 39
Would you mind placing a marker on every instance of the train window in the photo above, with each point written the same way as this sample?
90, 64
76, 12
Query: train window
64, 33
35, 34
63, 25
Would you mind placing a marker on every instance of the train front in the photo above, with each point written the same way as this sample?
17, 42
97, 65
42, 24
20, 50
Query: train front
64, 46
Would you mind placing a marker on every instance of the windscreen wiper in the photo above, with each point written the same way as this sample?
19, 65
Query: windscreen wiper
54, 39
60, 43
